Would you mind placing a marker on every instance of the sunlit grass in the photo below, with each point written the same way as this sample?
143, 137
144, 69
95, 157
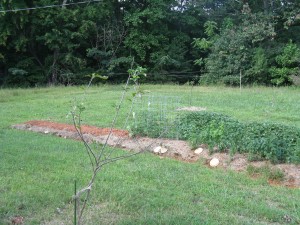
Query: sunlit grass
37, 172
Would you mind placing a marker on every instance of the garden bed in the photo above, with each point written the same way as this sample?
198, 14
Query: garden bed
176, 149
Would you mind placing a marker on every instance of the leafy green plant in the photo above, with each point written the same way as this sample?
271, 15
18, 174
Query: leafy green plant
231, 80
23, 74
153, 124
149, 124
259, 71
275, 142
209, 128
288, 62
281, 76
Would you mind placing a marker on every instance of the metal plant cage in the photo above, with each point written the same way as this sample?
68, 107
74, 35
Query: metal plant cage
155, 116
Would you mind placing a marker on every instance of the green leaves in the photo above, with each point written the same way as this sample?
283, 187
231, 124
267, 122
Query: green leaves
290, 56
235, 49
275, 142
281, 76
97, 75
288, 64
158, 34
202, 43
210, 28
135, 74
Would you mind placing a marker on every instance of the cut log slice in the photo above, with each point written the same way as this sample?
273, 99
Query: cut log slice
198, 151
163, 150
157, 149
214, 162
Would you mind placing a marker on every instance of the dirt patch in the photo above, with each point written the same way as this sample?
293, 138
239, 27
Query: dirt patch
86, 129
176, 149
192, 109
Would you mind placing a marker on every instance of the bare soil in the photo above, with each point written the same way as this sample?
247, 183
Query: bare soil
177, 149
192, 109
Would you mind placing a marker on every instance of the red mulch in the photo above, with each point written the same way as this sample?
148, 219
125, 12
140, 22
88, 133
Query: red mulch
86, 129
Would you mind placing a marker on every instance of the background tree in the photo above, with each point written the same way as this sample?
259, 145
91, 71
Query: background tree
60, 45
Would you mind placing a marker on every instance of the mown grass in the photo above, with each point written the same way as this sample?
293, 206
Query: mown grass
37, 172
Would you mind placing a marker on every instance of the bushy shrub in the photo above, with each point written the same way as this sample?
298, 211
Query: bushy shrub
275, 142
231, 80
214, 129
287, 65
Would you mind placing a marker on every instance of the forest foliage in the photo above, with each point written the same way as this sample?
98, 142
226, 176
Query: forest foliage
207, 41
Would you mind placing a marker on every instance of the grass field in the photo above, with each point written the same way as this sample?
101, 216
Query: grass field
37, 172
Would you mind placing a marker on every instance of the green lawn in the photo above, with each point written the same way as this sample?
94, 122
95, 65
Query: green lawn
37, 171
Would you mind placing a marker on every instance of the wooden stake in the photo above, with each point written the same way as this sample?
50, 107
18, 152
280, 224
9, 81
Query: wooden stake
75, 203
240, 80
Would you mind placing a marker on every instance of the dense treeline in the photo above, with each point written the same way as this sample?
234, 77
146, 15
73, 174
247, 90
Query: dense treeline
210, 41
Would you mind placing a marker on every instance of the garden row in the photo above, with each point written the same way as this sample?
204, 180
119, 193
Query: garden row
275, 142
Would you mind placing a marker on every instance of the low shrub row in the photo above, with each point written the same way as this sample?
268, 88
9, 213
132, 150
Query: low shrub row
275, 142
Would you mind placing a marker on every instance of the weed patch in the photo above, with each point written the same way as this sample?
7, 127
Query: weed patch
267, 172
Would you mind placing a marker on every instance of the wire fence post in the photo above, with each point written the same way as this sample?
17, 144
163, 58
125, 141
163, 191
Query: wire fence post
75, 203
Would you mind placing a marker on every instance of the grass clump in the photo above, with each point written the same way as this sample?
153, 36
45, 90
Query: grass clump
266, 171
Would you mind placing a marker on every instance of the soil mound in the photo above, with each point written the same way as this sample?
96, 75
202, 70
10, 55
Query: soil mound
176, 149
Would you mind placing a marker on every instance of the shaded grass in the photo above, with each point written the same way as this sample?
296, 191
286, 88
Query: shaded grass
37, 172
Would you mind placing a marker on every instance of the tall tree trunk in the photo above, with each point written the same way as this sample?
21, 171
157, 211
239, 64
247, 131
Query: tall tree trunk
64, 4
29, 3
266, 6
116, 5
54, 68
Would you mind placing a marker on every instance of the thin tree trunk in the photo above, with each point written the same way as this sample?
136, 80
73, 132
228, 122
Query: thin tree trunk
64, 4
53, 67
266, 3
